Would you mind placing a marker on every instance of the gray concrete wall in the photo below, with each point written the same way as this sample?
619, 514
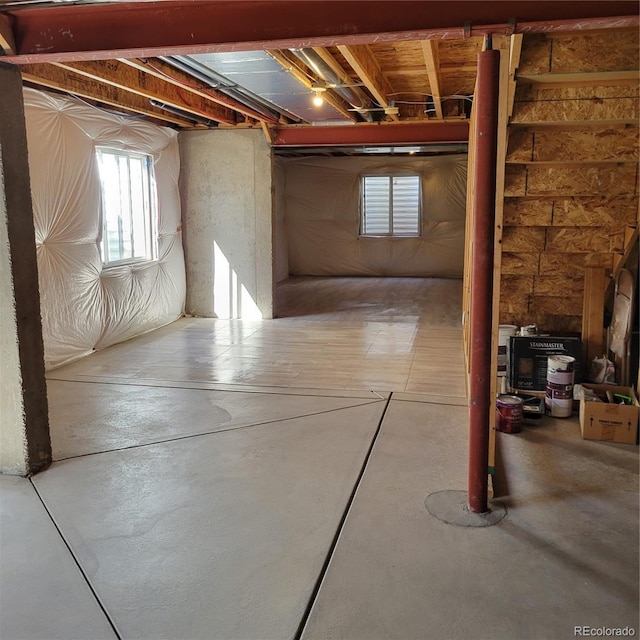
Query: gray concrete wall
12, 456
25, 445
226, 186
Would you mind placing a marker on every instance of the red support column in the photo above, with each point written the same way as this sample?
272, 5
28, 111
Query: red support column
486, 104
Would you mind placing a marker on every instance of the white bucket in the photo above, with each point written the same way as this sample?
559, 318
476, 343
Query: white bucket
504, 331
558, 401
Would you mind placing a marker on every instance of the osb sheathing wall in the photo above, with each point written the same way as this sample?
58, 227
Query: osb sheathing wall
571, 182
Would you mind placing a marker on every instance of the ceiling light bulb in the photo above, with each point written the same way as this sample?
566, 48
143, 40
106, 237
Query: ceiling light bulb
317, 100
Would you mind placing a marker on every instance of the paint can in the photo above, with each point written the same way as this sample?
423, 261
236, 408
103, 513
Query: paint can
509, 414
558, 401
504, 331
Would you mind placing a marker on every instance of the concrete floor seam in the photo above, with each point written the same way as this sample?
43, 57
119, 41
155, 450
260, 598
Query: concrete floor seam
300, 392
94, 593
443, 404
343, 519
210, 433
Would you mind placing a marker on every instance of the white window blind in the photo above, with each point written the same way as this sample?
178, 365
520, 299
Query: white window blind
128, 206
390, 205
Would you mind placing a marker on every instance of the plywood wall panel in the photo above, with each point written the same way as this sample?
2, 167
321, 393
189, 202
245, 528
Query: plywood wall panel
595, 52
520, 146
572, 174
612, 180
564, 305
558, 91
523, 263
511, 318
573, 264
578, 240
536, 55
515, 286
563, 111
595, 212
516, 306
586, 145
558, 285
522, 239
546, 323
528, 213
557, 324
515, 181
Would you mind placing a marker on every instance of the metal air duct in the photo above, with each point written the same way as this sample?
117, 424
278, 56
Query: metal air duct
355, 98
217, 81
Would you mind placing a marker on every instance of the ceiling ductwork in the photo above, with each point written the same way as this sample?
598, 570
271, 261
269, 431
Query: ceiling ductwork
221, 83
356, 99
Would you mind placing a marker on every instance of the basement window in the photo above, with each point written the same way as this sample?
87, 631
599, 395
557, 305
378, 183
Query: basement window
129, 208
390, 206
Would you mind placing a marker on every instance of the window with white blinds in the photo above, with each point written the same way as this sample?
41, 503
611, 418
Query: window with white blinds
128, 206
390, 205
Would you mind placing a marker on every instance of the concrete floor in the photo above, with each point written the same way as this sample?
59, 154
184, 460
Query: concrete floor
202, 509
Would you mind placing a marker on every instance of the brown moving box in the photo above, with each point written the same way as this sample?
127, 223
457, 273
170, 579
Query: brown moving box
607, 421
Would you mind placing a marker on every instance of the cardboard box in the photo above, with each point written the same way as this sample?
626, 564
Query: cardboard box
528, 359
606, 421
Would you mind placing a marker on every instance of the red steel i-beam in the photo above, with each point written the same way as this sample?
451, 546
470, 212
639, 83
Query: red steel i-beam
484, 213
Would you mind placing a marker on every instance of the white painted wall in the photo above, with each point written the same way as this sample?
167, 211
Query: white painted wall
226, 186
12, 420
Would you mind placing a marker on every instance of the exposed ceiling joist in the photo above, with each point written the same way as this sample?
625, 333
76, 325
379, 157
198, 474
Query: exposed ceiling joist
366, 66
334, 100
430, 53
170, 74
151, 29
334, 65
52, 77
373, 134
132, 80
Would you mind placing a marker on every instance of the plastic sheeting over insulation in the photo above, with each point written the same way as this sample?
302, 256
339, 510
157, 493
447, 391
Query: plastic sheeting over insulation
85, 306
319, 212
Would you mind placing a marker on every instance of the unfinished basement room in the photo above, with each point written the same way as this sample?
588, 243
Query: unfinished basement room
319, 320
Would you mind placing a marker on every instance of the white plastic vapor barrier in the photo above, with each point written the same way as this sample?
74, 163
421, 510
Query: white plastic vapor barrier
86, 306
320, 217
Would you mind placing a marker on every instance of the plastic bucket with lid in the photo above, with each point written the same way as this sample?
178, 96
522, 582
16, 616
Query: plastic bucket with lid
558, 401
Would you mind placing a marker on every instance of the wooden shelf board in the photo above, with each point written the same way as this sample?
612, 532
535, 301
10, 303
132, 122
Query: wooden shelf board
580, 79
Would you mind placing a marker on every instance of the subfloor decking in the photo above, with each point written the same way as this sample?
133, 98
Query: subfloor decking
232, 480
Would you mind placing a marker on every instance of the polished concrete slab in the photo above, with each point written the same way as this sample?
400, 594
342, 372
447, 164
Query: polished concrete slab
89, 417
565, 555
209, 465
343, 334
221, 535
43, 595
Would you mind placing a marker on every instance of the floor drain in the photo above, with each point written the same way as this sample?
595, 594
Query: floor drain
451, 507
